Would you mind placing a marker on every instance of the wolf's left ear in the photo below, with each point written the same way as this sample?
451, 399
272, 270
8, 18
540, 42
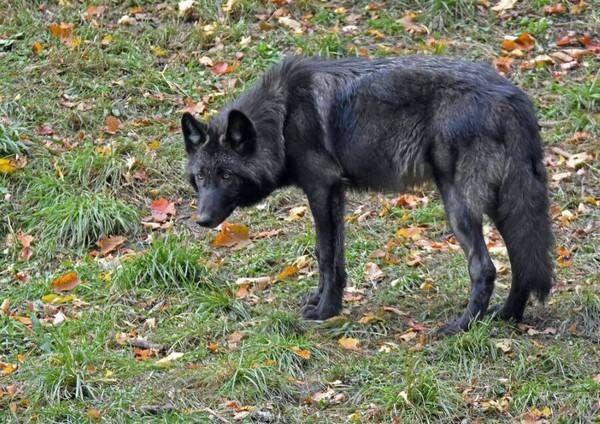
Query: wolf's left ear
241, 134
194, 132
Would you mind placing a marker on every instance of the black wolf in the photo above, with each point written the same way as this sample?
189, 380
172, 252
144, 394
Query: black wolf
386, 125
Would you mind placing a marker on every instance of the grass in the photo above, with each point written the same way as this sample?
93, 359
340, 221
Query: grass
248, 356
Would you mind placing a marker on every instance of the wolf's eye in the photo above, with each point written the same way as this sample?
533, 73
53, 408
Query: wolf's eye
226, 175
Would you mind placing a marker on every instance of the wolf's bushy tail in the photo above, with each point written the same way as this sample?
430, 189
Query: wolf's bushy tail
523, 217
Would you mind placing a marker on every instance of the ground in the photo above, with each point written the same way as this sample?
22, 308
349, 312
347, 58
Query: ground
113, 311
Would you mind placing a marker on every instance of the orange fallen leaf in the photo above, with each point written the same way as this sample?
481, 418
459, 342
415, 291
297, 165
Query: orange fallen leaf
112, 124
62, 30
109, 244
349, 343
288, 271
408, 23
564, 41
305, 354
142, 354
162, 209
232, 235
503, 64
65, 282
37, 48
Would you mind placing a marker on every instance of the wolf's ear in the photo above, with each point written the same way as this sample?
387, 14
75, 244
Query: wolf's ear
194, 132
241, 134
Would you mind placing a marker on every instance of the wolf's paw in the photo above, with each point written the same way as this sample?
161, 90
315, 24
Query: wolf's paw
319, 312
500, 312
452, 327
312, 297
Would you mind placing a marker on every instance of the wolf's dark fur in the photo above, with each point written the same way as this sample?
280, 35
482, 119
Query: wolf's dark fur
386, 125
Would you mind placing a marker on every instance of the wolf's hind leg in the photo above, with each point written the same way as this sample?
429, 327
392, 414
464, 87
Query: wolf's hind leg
467, 228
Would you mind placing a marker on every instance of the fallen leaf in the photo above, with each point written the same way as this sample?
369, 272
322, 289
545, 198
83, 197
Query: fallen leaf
291, 23
37, 48
408, 23
65, 282
162, 210
25, 241
92, 11
288, 271
553, 9
266, 234
349, 343
58, 319
4, 308
62, 30
372, 272
305, 354
503, 64
109, 244
504, 345
234, 338
296, 213
173, 356
142, 354
45, 129
504, 5
232, 235
93, 414
112, 124
221, 68
524, 41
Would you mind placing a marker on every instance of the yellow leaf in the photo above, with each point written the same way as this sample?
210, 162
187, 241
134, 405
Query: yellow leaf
173, 356
504, 345
232, 235
159, 51
93, 413
367, 318
106, 40
6, 166
504, 5
301, 352
152, 145
349, 343
297, 213
65, 282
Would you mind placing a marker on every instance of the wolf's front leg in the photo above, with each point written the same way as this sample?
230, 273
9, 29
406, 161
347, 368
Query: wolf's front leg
327, 206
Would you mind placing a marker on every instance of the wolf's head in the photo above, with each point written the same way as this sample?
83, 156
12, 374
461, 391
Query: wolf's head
226, 166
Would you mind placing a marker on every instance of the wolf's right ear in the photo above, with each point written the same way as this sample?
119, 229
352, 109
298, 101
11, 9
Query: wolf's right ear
194, 132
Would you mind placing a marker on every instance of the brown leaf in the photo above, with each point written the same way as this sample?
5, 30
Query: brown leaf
25, 241
109, 244
553, 9
45, 129
564, 41
372, 272
232, 235
503, 64
65, 282
410, 26
222, 68
142, 354
112, 124
266, 234
522, 42
94, 11
62, 30
349, 343
587, 42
